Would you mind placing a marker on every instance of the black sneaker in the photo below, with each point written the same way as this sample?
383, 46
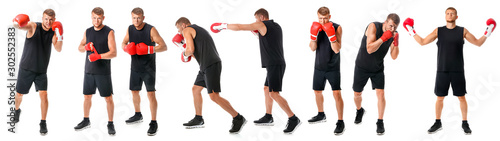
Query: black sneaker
380, 128
153, 127
43, 128
194, 123
359, 115
339, 130
111, 129
17, 113
435, 127
237, 125
82, 125
264, 121
465, 127
134, 119
317, 119
291, 126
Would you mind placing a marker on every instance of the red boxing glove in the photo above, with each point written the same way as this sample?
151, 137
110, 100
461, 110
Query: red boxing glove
178, 40
408, 24
89, 47
396, 39
256, 33
143, 49
217, 27
330, 31
386, 36
94, 57
58, 29
315, 29
491, 26
130, 48
184, 58
21, 20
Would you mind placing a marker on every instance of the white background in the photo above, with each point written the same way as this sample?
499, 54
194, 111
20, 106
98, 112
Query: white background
409, 79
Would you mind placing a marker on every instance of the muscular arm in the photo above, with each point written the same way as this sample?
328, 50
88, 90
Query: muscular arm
81, 47
189, 34
429, 39
372, 43
394, 51
125, 40
337, 45
472, 39
313, 45
249, 27
111, 45
155, 36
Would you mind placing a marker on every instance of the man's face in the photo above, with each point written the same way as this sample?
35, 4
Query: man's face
323, 19
48, 21
97, 20
390, 25
451, 16
137, 20
180, 27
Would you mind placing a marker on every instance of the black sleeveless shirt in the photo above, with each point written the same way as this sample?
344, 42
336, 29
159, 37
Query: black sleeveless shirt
373, 62
326, 59
142, 63
204, 48
271, 45
100, 40
36, 52
450, 49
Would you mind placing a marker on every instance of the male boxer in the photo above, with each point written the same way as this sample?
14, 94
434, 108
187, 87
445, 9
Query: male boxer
326, 41
140, 42
200, 44
271, 50
35, 59
450, 62
378, 39
99, 44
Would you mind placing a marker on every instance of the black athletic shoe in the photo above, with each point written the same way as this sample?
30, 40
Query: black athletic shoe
291, 126
17, 113
435, 128
339, 130
82, 125
153, 127
111, 129
237, 125
194, 123
317, 119
380, 128
264, 121
43, 128
134, 119
465, 127
359, 115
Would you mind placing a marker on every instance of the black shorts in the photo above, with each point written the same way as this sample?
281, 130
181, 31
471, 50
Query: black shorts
25, 79
361, 78
210, 78
274, 78
443, 80
102, 82
320, 77
136, 79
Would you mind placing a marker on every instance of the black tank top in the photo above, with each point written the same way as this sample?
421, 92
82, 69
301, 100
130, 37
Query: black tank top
271, 45
100, 40
36, 52
450, 49
142, 63
204, 48
373, 62
326, 59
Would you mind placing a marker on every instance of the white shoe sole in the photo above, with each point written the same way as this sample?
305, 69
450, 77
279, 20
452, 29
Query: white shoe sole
264, 124
196, 126
135, 122
316, 122
338, 134
88, 126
